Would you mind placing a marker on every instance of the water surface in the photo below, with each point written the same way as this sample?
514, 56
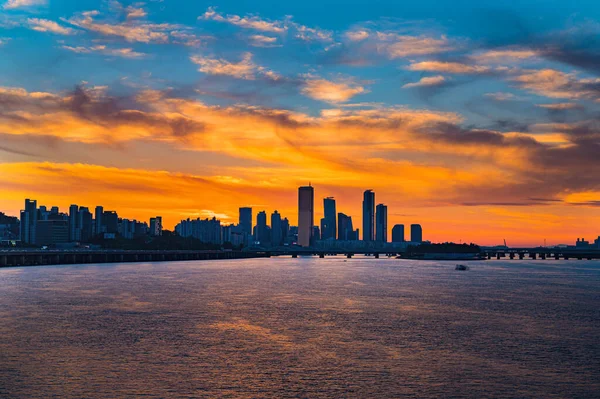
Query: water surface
307, 327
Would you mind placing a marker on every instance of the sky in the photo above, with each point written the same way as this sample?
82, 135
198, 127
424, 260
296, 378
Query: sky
480, 121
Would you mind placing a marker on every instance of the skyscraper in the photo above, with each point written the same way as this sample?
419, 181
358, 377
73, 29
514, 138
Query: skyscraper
285, 229
74, 223
245, 222
369, 216
329, 227
29, 218
262, 230
85, 224
98, 222
398, 233
416, 233
381, 223
345, 229
306, 215
156, 226
276, 232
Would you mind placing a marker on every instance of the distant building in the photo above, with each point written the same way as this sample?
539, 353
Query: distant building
582, 243
285, 230
316, 233
74, 231
233, 234
52, 232
85, 223
345, 229
98, 222
306, 215
368, 215
276, 231
110, 222
381, 223
416, 233
206, 230
398, 233
262, 233
329, 223
156, 226
29, 218
245, 223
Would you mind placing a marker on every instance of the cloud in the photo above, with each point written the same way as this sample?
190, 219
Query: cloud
396, 46
44, 25
333, 92
248, 22
132, 31
263, 41
133, 12
357, 35
104, 50
312, 34
244, 69
504, 55
557, 84
501, 96
426, 82
448, 67
13, 4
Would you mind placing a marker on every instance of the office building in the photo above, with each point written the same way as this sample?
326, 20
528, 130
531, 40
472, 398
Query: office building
416, 233
381, 223
306, 215
29, 218
156, 226
206, 230
85, 223
345, 229
316, 233
52, 232
368, 215
110, 222
98, 223
245, 223
285, 230
276, 231
398, 233
74, 232
262, 231
329, 225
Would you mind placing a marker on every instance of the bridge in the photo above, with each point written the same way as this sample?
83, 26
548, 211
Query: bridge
542, 253
62, 257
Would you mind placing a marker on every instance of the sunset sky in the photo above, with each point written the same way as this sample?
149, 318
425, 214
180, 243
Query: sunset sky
481, 123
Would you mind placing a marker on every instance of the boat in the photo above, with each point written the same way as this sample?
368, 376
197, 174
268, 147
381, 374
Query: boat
461, 267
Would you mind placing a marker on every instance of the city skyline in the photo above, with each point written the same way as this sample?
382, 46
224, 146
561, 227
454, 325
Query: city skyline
481, 126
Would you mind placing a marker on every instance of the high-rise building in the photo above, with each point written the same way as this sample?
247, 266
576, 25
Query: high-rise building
208, 231
381, 223
329, 225
306, 215
369, 215
416, 233
262, 230
345, 229
156, 226
74, 232
85, 224
245, 223
285, 230
98, 222
51, 232
276, 232
110, 221
29, 218
316, 233
398, 233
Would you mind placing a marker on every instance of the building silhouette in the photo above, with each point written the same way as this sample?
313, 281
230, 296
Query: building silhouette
74, 232
156, 226
98, 220
276, 231
111, 222
381, 223
262, 233
306, 215
245, 222
52, 232
345, 228
398, 233
29, 218
416, 233
368, 215
329, 224
85, 222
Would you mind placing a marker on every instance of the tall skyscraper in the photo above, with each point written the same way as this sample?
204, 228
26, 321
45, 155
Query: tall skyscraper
98, 222
156, 226
29, 218
345, 229
74, 223
369, 216
111, 222
329, 227
285, 229
245, 222
276, 232
381, 223
416, 233
262, 230
85, 224
398, 233
306, 215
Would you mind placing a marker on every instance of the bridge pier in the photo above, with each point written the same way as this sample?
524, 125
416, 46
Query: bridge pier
512, 255
321, 256
3, 260
498, 256
349, 256
376, 255
294, 256
521, 256
542, 256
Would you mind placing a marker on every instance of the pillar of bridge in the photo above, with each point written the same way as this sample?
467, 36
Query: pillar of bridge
348, 255
3, 260
498, 256
512, 255
294, 256
521, 255
579, 258
556, 256
533, 255
321, 256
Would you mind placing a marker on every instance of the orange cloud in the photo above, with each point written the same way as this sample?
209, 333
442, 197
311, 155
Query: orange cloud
44, 25
448, 67
426, 81
333, 92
